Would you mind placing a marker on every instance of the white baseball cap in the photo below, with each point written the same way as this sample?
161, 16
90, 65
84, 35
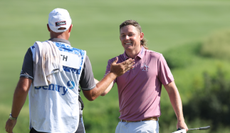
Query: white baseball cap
59, 18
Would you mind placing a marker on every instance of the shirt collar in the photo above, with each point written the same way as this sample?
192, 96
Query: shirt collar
140, 54
59, 40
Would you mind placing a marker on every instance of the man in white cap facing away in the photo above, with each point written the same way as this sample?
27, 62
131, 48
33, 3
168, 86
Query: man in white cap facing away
52, 73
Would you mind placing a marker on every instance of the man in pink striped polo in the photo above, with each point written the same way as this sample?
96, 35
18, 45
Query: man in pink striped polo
139, 89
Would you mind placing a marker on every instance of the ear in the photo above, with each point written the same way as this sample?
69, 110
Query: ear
70, 28
141, 35
48, 27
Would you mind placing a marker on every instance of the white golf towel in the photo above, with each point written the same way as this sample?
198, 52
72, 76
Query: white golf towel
180, 131
47, 60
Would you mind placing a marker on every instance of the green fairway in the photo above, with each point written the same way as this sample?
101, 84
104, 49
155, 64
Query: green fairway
167, 24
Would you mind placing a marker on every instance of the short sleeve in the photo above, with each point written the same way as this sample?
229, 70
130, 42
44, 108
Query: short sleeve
27, 67
87, 78
165, 74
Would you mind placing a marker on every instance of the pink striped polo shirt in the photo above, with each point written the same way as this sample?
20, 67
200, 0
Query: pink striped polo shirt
139, 89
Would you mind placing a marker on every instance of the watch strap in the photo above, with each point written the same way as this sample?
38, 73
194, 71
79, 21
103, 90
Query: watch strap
12, 118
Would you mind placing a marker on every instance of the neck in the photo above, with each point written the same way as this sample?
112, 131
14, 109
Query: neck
132, 53
64, 35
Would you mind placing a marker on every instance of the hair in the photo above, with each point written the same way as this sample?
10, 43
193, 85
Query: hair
135, 24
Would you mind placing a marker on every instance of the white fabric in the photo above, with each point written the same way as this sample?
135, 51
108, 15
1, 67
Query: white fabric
47, 60
55, 108
150, 126
180, 131
59, 18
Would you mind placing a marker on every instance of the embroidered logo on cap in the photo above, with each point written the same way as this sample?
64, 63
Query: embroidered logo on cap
59, 23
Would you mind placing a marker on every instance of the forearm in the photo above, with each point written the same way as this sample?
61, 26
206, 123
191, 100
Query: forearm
20, 96
107, 89
175, 100
101, 86
176, 104
18, 102
105, 83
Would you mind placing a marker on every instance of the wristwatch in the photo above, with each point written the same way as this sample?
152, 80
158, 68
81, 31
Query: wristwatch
12, 118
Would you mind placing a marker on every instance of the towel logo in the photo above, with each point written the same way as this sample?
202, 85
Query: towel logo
70, 84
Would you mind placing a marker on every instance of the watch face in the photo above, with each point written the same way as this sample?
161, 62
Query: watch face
12, 118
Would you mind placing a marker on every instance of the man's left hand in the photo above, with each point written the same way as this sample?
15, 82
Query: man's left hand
10, 125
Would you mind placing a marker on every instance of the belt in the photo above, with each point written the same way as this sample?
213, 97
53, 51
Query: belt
147, 119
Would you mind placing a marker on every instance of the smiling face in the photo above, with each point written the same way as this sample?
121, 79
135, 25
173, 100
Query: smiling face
130, 38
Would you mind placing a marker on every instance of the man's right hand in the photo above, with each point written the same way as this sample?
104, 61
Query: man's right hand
121, 68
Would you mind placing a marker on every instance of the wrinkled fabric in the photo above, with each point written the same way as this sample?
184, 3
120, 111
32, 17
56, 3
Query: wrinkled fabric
47, 60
